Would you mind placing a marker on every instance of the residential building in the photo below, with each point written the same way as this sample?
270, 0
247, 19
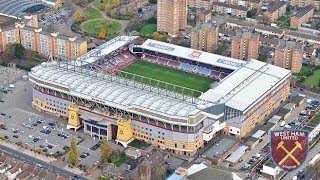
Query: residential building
132, 6
234, 10
253, 4
275, 11
301, 17
204, 37
171, 16
303, 3
204, 15
52, 3
40, 41
288, 55
206, 4
245, 45
233, 2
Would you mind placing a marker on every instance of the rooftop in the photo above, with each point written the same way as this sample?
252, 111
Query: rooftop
241, 8
277, 6
246, 86
108, 91
193, 55
289, 44
106, 48
303, 12
241, 34
220, 148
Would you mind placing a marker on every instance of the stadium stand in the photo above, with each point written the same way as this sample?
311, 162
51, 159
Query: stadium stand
15, 8
186, 65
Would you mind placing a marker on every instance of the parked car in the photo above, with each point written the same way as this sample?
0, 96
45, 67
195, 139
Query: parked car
15, 136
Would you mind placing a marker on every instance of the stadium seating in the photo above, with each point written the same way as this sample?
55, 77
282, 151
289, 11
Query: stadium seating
186, 65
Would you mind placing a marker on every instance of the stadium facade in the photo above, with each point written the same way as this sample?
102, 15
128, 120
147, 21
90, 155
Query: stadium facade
111, 106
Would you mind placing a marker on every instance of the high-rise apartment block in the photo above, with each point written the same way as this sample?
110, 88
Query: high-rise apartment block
289, 55
27, 33
171, 16
245, 45
204, 37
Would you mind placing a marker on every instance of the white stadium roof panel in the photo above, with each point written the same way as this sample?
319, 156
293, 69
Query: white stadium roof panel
112, 92
191, 54
247, 85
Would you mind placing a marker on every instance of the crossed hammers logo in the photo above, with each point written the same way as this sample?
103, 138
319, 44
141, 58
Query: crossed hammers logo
289, 154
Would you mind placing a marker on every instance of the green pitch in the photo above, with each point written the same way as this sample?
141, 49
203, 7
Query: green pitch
169, 75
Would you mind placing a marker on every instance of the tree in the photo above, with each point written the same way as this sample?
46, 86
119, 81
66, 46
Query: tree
102, 6
102, 34
106, 152
251, 13
113, 12
109, 24
153, 1
74, 152
77, 16
160, 171
18, 50
3, 137
139, 10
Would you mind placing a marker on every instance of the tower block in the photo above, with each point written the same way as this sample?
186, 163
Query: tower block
124, 134
74, 119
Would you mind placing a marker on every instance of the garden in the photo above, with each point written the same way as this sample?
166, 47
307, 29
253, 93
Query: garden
309, 77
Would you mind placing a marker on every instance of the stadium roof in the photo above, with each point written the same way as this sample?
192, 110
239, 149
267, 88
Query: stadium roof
98, 86
193, 55
14, 8
106, 48
247, 86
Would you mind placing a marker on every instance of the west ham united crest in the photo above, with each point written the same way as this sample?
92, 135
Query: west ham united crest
289, 148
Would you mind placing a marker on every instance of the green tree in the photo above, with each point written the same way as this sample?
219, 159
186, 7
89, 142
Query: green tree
77, 16
153, 1
251, 13
102, 6
18, 50
74, 152
106, 152
3, 137
113, 12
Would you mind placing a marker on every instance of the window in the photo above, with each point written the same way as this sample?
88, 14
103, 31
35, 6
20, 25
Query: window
175, 145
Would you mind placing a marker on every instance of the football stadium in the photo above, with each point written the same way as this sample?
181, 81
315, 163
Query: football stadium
173, 97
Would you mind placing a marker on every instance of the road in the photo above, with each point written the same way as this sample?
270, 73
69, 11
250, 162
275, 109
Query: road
32, 160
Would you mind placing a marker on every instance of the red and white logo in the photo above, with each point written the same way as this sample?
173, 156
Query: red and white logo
289, 148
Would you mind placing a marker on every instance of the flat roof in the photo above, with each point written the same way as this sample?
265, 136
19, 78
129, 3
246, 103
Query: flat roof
220, 148
237, 154
244, 87
275, 119
192, 54
258, 134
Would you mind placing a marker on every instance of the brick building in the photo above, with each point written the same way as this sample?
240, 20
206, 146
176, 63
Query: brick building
288, 55
245, 45
275, 11
301, 17
206, 4
43, 42
204, 37
303, 3
204, 15
171, 16
234, 10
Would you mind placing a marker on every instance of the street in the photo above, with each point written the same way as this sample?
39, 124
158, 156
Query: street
34, 161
